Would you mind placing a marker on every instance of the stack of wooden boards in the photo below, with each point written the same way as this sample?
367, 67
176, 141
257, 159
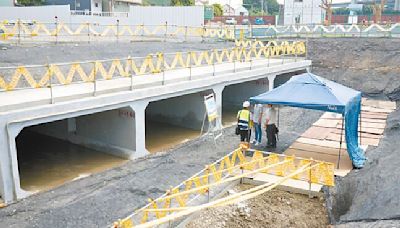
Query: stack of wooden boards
322, 140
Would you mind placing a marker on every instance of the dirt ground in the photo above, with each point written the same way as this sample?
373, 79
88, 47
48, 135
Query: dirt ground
31, 54
366, 196
275, 208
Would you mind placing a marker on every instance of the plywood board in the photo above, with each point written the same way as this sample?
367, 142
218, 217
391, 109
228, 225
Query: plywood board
326, 123
378, 103
316, 148
364, 141
322, 143
378, 131
367, 120
368, 124
376, 110
291, 183
366, 135
345, 163
374, 115
331, 115
315, 132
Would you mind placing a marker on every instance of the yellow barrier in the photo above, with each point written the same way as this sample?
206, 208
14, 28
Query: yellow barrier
63, 74
229, 168
60, 29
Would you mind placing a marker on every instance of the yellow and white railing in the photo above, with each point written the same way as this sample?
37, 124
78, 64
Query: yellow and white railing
44, 76
179, 201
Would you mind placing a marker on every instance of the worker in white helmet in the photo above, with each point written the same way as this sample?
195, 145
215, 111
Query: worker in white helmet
244, 122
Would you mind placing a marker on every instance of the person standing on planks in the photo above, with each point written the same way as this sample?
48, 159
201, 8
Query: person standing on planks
257, 118
270, 125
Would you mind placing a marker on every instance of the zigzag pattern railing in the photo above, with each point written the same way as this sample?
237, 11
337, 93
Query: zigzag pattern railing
42, 76
227, 169
59, 30
338, 30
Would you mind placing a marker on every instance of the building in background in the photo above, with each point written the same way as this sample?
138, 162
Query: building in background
94, 7
227, 10
86, 6
119, 5
229, 7
303, 12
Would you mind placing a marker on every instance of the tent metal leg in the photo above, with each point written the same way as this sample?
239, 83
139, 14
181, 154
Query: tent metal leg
360, 127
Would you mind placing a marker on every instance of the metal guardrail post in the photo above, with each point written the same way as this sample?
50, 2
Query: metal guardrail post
88, 31
186, 33
117, 30
203, 32
51, 84
234, 66
19, 30
166, 31
131, 63
163, 69
306, 48
213, 64
94, 79
142, 34
56, 34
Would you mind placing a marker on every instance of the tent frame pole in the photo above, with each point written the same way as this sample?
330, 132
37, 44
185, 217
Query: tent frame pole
340, 144
360, 126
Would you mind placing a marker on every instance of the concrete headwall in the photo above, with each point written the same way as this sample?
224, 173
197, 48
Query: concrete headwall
112, 132
185, 111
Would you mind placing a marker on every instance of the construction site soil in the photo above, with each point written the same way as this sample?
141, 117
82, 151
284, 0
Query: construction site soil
275, 208
371, 66
362, 198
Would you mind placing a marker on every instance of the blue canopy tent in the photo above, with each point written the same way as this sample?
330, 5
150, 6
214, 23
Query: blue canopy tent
313, 92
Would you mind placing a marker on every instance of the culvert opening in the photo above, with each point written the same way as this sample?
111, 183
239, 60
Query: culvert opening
54, 153
176, 120
234, 95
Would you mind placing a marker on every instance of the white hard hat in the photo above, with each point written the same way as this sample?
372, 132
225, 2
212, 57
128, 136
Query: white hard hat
246, 104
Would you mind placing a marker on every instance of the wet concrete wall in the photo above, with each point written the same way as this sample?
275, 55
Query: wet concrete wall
111, 131
184, 111
234, 95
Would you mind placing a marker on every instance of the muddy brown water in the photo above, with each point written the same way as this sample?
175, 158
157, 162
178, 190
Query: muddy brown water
46, 162
162, 136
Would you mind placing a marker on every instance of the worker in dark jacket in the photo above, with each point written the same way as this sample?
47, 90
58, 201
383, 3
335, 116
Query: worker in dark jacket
270, 125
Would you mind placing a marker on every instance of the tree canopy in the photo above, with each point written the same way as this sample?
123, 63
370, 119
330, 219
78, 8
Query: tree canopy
30, 2
182, 2
271, 7
218, 11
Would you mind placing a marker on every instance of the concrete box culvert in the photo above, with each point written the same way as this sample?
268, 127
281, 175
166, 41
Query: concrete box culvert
50, 154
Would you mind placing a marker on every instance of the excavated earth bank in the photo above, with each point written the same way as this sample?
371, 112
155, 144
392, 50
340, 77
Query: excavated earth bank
372, 66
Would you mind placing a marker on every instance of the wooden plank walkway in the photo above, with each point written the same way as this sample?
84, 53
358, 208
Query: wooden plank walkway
322, 140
